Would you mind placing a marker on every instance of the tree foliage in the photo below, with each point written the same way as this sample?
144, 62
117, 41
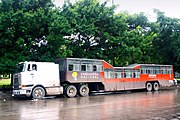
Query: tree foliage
167, 44
86, 29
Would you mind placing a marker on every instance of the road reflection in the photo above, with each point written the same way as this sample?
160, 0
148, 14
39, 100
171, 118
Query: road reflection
124, 106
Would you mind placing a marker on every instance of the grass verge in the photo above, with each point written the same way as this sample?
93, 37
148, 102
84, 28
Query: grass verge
5, 84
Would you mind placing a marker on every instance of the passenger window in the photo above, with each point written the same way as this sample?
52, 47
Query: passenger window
128, 74
157, 70
163, 70
83, 67
89, 67
94, 68
136, 73
118, 73
76, 67
144, 70
169, 70
70, 67
99, 68
124, 75
108, 73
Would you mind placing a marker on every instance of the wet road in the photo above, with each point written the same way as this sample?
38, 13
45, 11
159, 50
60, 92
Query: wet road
161, 105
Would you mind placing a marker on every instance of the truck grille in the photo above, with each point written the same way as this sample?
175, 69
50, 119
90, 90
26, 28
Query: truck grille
16, 82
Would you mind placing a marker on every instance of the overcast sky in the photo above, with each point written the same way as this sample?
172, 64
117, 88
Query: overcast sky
170, 7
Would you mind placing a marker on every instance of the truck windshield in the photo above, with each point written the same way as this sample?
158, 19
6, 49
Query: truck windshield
20, 68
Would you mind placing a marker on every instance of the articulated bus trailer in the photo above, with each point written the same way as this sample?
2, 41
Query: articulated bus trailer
79, 77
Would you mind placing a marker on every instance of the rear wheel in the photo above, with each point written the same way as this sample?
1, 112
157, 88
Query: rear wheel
83, 90
71, 91
38, 93
149, 87
156, 86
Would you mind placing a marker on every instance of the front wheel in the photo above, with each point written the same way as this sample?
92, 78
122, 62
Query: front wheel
71, 91
83, 90
149, 87
38, 93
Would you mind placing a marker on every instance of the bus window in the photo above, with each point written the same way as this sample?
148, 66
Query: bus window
128, 73
89, 67
99, 68
136, 74
118, 73
108, 73
94, 68
150, 70
70, 67
83, 67
144, 70
169, 70
115, 75
163, 70
124, 75
157, 70
76, 67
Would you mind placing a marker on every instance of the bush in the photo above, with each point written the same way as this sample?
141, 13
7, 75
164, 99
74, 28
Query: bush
5, 87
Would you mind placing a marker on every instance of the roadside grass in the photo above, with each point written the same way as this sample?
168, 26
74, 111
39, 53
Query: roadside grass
5, 84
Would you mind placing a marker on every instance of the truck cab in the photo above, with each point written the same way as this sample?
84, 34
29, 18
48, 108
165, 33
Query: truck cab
36, 79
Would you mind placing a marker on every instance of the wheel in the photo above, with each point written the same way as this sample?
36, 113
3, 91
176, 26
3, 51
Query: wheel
156, 86
149, 87
71, 91
83, 90
38, 93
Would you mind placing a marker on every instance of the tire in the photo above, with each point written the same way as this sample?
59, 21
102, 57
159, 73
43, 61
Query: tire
83, 90
38, 93
156, 86
149, 87
71, 91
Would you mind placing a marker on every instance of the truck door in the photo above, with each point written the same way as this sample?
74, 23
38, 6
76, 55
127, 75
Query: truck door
31, 68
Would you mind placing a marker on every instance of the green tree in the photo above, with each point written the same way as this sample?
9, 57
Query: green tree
22, 22
167, 44
95, 28
136, 40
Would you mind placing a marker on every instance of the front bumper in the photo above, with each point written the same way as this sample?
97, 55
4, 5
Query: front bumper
21, 92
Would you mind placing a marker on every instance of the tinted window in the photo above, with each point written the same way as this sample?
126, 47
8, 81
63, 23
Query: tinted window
70, 67
83, 67
94, 68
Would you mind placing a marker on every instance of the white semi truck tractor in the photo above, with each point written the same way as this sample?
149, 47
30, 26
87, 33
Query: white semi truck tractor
36, 79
